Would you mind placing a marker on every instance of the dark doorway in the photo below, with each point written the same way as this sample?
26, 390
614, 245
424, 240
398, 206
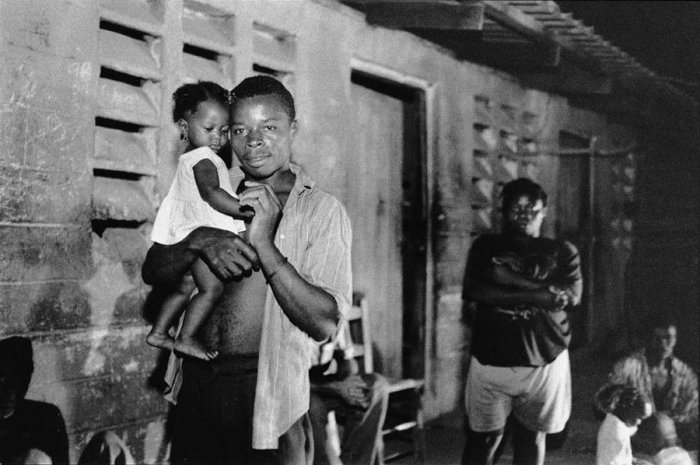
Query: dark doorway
389, 213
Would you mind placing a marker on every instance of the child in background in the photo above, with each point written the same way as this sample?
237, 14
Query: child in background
200, 195
626, 408
666, 450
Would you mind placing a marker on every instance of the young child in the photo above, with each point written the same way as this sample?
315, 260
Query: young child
626, 408
200, 195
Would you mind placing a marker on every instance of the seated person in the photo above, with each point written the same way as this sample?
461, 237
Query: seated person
105, 447
31, 432
673, 455
669, 383
358, 400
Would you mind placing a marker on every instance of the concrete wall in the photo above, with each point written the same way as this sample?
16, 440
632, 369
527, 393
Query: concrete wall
87, 153
618, 151
76, 294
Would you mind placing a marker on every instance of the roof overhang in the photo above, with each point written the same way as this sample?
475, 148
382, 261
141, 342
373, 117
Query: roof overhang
532, 39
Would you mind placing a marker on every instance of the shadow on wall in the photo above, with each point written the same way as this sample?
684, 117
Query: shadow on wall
92, 360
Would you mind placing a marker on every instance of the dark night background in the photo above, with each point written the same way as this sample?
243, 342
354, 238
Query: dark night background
662, 35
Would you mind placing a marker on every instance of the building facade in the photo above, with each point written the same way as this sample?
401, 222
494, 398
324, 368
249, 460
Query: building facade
415, 142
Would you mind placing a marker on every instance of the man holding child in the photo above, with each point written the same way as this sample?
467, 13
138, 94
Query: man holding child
288, 281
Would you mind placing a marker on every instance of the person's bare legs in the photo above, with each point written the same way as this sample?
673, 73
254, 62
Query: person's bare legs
528, 446
210, 289
170, 311
480, 448
362, 440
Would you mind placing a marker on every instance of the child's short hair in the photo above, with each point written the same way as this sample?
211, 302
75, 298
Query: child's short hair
624, 401
264, 85
188, 96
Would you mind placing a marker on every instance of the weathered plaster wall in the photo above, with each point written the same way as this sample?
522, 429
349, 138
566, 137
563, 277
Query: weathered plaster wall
72, 246
619, 152
79, 296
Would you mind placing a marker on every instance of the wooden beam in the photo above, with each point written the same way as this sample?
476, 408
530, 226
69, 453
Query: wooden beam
569, 80
514, 19
423, 14
517, 20
513, 57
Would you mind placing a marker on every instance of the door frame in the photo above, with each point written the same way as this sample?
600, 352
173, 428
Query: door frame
429, 91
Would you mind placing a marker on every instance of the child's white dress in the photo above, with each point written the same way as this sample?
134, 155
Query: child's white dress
184, 210
614, 446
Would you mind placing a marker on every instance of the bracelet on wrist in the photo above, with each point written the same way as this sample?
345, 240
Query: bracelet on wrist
278, 267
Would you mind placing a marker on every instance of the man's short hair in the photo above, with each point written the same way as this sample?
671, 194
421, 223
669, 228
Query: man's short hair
513, 190
264, 85
663, 320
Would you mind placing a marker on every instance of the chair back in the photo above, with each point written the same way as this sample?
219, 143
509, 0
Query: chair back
358, 320
407, 424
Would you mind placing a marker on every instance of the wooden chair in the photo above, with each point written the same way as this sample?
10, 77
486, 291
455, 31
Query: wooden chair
404, 421
106, 448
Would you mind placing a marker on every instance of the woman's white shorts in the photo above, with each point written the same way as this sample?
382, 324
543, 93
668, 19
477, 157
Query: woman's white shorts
539, 397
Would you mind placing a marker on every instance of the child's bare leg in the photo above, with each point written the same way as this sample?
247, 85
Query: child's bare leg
198, 310
170, 311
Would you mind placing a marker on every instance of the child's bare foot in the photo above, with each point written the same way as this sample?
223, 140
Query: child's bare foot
194, 348
160, 340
